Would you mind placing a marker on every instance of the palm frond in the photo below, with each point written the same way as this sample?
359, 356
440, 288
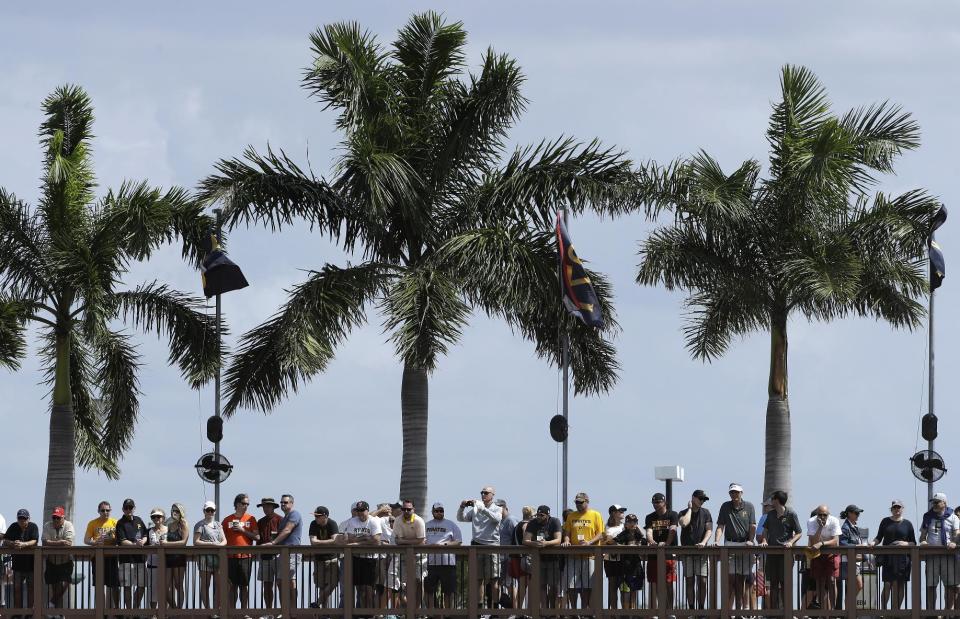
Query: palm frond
425, 313
428, 52
300, 340
801, 110
273, 190
716, 316
13, 343
881, 133
825, 272
24, 271
178, 318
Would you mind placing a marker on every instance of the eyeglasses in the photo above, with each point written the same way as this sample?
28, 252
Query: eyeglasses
407, 509
437, 511
209, 510
579, 502
281, 503
22, 518
486, 492
156, 516
57, 517
896, 507
819, 515
243, 504
104, 510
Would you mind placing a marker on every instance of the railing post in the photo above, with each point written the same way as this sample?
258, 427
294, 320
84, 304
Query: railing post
662, 597
533, 591
787, 597
348, 597
711, 559
161, 583
284, 566
596, 594
917, 601
222, 587
99, 595
473, 584
411, 573
850, 585
37, 584
724, 582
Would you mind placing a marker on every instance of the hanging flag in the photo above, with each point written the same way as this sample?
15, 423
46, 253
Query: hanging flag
579, 297
938, 268
218, 273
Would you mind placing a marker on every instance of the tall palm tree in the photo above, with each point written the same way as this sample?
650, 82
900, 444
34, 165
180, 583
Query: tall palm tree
445, 221
808, 239
61, 265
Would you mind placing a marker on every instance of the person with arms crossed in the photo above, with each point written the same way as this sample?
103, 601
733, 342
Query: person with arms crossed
101, 531
326, 568
545, 531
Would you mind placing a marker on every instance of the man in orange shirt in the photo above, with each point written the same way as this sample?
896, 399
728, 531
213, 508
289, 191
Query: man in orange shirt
240, 529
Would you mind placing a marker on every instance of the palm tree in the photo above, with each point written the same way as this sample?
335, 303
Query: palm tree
61, 265
807, 240
446, 223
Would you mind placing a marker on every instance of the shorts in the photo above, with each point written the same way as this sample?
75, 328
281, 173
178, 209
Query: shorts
174, 561
418, 568
551, 572
696, 566
773, 569
208, 563
652, 571
57, 572
942, 568
579, 573
133, 574
895, 568
238, 570
326, 573
488, 566
292, 568
364, 571
825, 566
111, 572
445, 575
519, 567
268, 569
388, 572
739, 563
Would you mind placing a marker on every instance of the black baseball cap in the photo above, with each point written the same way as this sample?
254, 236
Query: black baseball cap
128, 503
362, 506
632, 518
544, 509
658, 497
321, 511
701, 495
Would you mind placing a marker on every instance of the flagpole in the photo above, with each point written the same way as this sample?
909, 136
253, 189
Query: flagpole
216, 386
930, 407
565, 346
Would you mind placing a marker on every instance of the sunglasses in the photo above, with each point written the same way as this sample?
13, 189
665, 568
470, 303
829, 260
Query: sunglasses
438, 510
105, 510
243, 504
579, 502
24, 518
407, 509
57, 517
281, 503
157, 516
486, 492
209, 510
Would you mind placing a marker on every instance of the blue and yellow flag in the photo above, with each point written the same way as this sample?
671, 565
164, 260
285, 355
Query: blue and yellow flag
938, 268
218, 273
579, 297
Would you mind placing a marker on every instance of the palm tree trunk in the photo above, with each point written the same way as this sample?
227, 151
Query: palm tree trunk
413, 406
61, 458
777, 472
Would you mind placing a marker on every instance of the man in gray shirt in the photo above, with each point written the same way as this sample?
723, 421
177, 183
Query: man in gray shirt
781, 528
485, 516
736, 526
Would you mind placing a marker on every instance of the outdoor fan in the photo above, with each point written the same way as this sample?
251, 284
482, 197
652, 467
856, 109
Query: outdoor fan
213, 467
927, 465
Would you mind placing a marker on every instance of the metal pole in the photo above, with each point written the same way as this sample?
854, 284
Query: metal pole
216, 389
669, 495
930, 407
565, 342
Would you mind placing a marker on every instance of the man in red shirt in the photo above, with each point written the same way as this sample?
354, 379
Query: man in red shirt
240, 529
269, 527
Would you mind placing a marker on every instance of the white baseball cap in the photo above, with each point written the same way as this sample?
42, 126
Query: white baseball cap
940, 497
209, 505
735, 487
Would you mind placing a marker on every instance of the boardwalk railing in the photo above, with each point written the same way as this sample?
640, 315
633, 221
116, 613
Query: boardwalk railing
471, 581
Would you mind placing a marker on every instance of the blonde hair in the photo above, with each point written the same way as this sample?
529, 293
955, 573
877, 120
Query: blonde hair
383, 509
527, 512
178, 522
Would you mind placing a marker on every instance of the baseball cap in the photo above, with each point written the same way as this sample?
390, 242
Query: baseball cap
582, 496
397, 505
940, 497
616, 508
438, 505
544, 509
268, 501
500, 503
362, 506
735, 487
658, 496
156, 511
209, 505
321, 511
896, 502
58, 512
22, 513
853, 508
701, 495
632, 518
128, 503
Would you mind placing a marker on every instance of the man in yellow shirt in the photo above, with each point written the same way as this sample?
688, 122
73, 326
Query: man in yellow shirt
101, 531
583, 527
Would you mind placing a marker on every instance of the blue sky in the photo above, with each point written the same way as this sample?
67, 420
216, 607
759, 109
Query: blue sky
178, 85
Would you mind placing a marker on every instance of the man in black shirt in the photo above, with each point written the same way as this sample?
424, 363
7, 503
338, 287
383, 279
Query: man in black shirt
781, 528
661, 526
326, 568
21, 535
545, 532
131, 531
696, 526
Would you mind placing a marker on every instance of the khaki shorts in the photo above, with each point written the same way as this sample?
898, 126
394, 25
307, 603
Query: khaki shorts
326, 573
133, 575
740, 563
695, 566
942, 568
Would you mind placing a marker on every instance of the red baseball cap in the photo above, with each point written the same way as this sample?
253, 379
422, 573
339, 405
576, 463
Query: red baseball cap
58, 511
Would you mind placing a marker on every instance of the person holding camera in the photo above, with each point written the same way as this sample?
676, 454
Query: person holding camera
485, 516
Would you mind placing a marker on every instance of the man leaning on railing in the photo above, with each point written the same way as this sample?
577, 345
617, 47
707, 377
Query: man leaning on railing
940, 527
59, 568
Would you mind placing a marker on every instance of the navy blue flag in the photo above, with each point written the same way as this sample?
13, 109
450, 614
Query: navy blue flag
579, 297
938, 269
218, 273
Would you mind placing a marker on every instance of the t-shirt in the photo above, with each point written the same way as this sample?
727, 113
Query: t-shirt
236, 537
891, 531
486, 521
102, 528
131, 529
408, 530
386, 529
544, 532
369, 527
661, 525
631, 537
3, 523
736, 521
507, 525
294, 538
700, 522
208, 531
940, 528
269, 527
16, 533
583, 527
831, 528
442, 530
51, 533
323, 532
777, 530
